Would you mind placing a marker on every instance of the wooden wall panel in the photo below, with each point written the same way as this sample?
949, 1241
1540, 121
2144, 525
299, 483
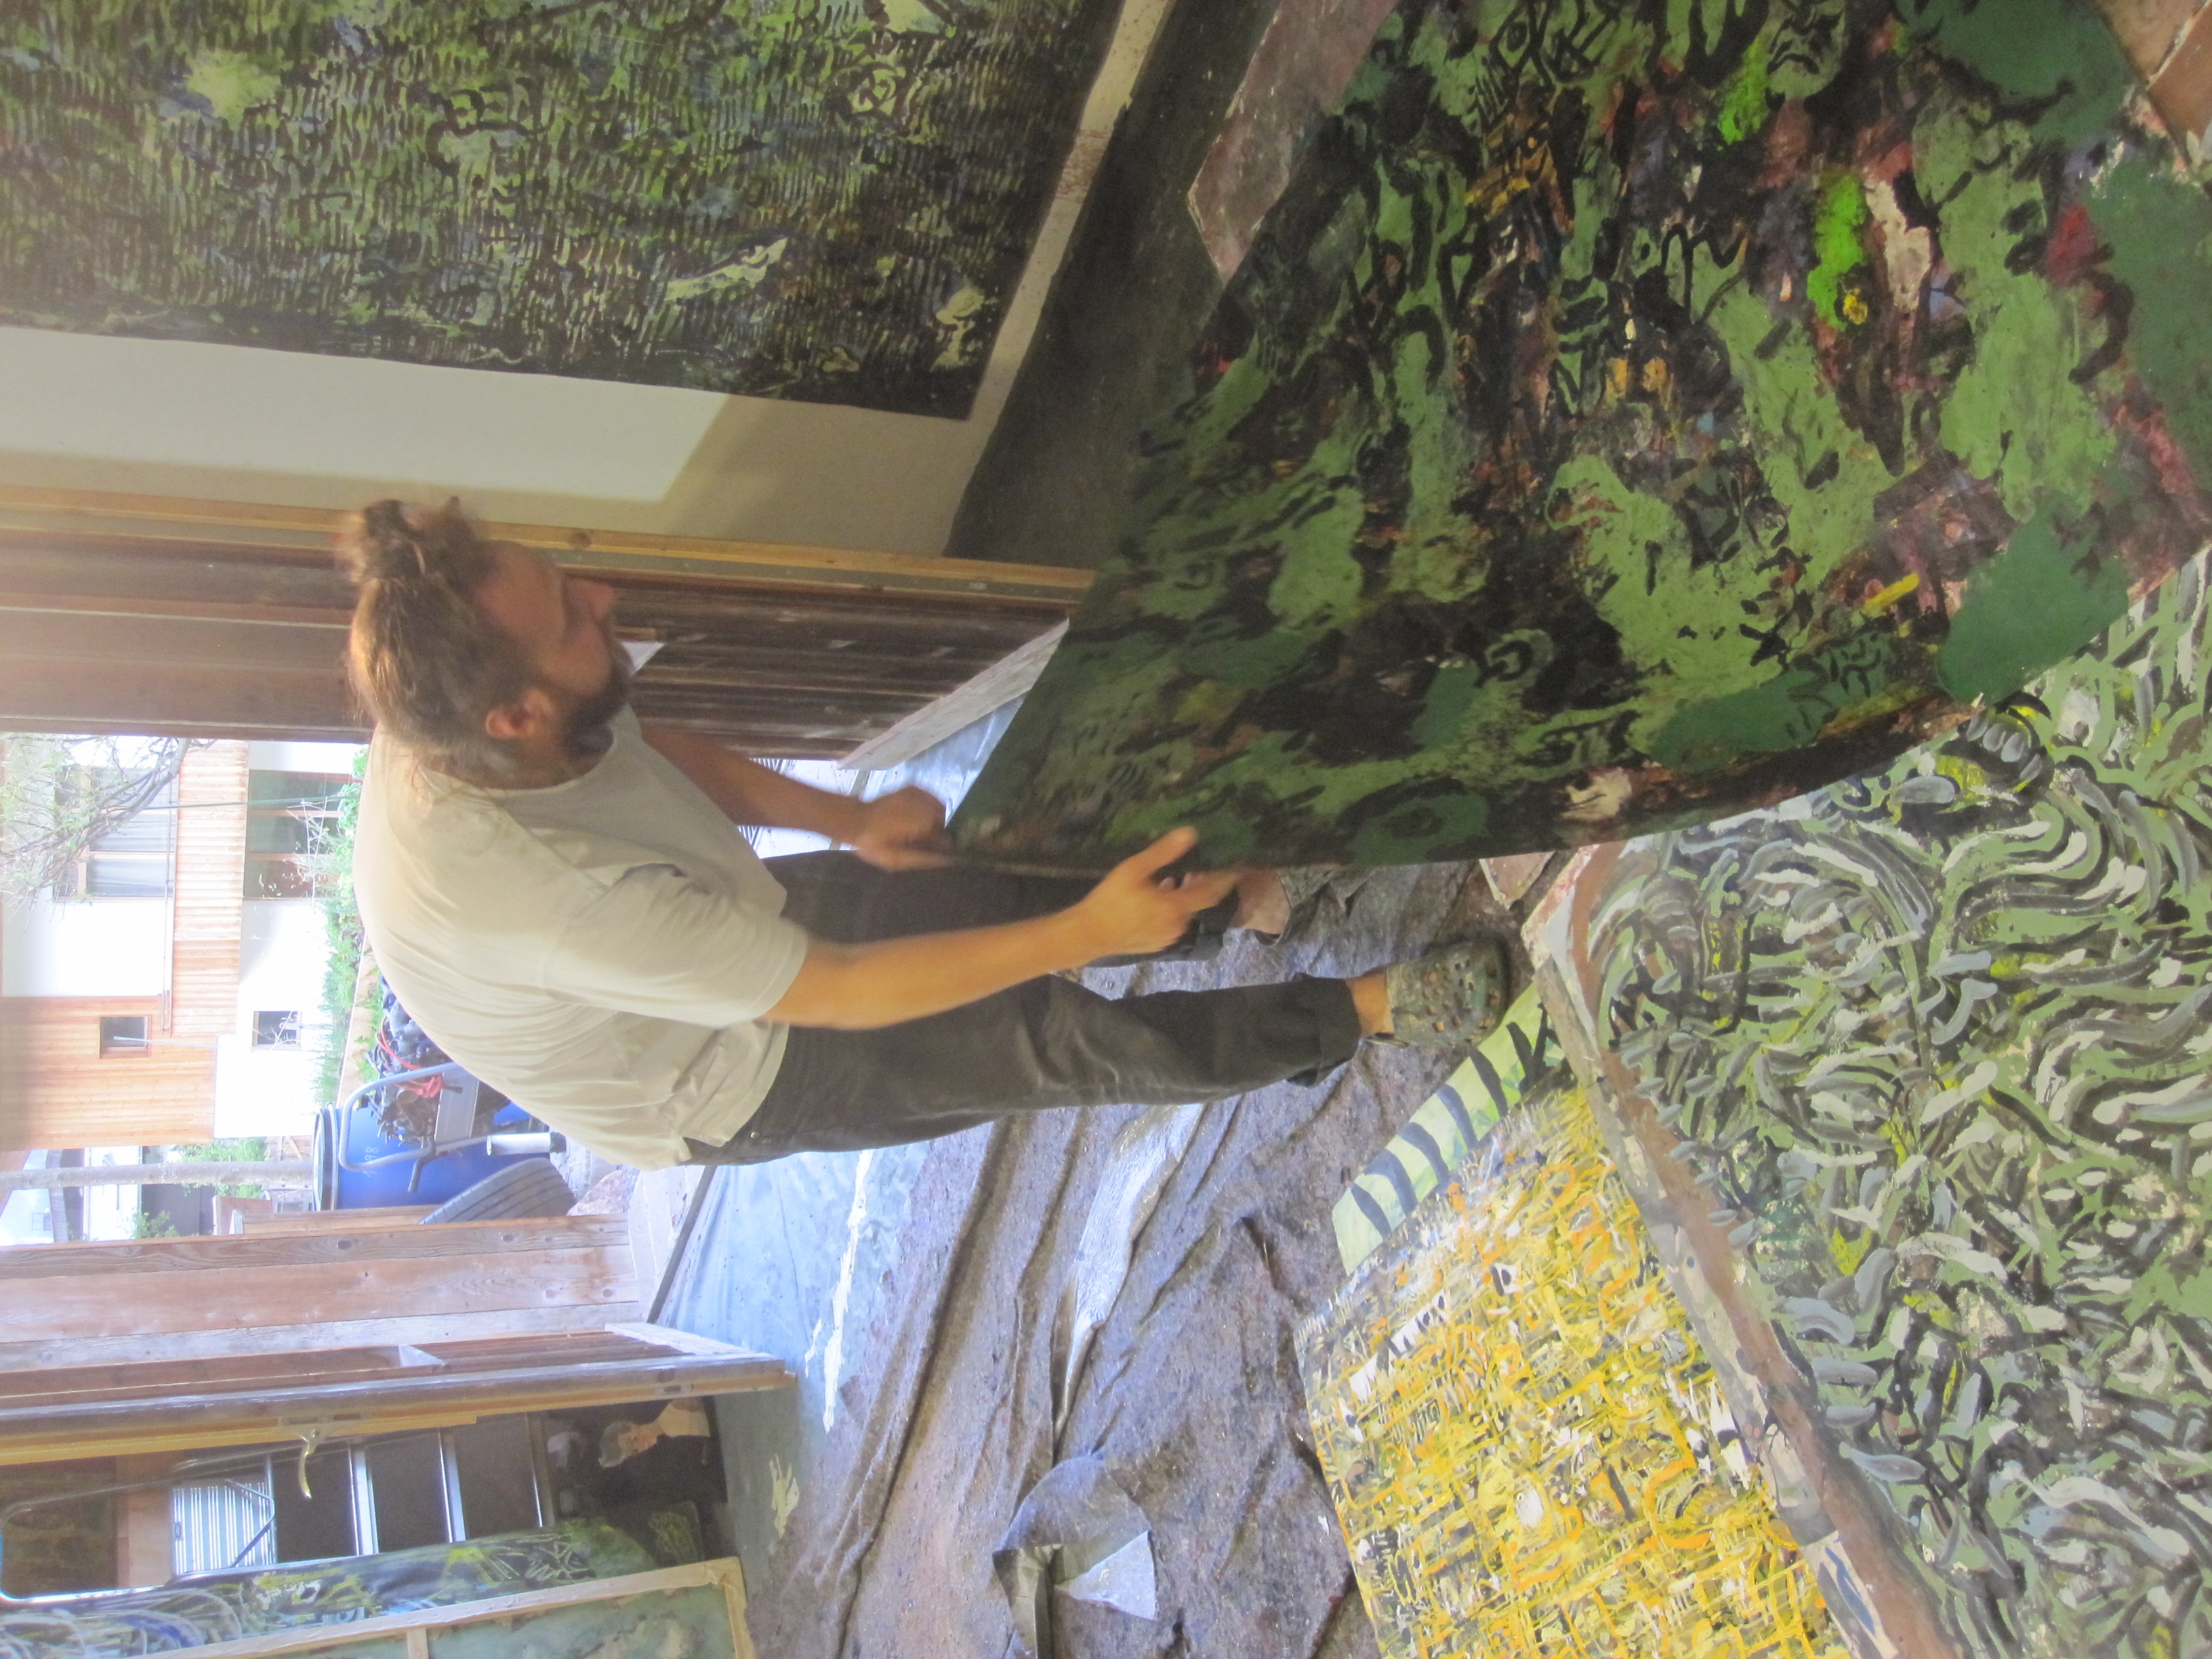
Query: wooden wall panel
211, 893
145, 1547
57, 1089
69, 1304
210, 618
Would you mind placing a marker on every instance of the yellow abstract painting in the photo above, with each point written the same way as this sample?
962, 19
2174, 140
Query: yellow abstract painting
1529, 1451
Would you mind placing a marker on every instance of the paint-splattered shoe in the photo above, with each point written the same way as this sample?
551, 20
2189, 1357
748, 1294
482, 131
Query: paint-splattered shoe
1450, 999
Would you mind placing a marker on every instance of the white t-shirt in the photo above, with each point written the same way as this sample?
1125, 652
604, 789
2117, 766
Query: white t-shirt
601, 950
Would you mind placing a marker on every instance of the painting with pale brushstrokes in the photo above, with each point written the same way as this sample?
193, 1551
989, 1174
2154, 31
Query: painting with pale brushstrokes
1933, 1045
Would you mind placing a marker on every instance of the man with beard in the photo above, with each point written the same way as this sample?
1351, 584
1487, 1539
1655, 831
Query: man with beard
561, 898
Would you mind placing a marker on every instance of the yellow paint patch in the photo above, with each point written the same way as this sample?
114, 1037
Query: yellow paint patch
1545, 1464
1901, 588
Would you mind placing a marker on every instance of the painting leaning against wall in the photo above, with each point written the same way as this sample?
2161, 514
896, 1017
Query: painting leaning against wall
822, 199
1633, 414
1932, 1045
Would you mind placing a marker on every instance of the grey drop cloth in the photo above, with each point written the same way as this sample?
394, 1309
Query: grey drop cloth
1189, 1394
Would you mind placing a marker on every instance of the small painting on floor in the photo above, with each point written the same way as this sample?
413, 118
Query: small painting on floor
1528, 1450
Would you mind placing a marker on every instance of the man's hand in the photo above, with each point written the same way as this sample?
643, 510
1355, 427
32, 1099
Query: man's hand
1134, 911
858, 987
902, 830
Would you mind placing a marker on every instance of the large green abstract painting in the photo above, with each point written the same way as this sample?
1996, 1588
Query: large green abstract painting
1634, 413
822, 199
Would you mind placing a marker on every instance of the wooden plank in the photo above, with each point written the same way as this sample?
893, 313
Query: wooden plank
145, 1550
555, 1346
319, 1294
56, 1089
2183, 91
368, 1220
100, 605
46, 635
163, 700
724, 1574
424, 1398
295, 528
669, 1336
464, 1240
263, 1377
207, 912
1011, 676
424, 1330
189, 1375
241, 1372
2149, 30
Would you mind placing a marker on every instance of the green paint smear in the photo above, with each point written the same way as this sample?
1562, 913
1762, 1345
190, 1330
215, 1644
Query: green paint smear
2058, 53
1743, 105
1790, 710
2036, 603
1841, 211
2160, 229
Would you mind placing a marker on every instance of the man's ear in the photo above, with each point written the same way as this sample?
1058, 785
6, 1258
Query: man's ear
530, 716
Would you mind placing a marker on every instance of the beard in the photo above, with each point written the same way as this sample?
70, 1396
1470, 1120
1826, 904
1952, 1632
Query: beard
588, 731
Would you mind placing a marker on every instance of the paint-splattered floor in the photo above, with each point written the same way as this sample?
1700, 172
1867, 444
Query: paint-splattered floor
917, 1298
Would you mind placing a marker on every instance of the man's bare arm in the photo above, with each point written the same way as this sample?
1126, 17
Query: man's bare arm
1130, 911
893, 831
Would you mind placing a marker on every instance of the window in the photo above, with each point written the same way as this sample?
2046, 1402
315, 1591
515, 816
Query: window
131, 860
286, 817
277, 1028
123, 1034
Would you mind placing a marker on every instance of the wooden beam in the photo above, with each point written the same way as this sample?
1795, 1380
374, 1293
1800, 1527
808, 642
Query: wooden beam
279, 528
180, 1174
236, 699
338, 1221
416, 1329
420, 1398
264, 1253
1009, 678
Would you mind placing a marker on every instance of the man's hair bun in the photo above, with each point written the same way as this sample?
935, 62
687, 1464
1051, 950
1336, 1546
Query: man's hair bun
390, 541
426, 664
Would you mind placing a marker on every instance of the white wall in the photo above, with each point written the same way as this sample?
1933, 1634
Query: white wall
261, 1092
110, 947
176, 417
326, 757
281, 952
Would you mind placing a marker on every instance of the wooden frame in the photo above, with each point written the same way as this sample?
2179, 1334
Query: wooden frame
172, 617
724, 1573
281, 530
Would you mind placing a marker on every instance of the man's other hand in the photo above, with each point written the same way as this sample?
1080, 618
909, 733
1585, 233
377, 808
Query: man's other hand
1134, 911
902, 830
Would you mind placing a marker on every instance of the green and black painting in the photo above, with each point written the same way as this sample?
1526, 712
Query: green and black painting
1633, 413
822, 199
